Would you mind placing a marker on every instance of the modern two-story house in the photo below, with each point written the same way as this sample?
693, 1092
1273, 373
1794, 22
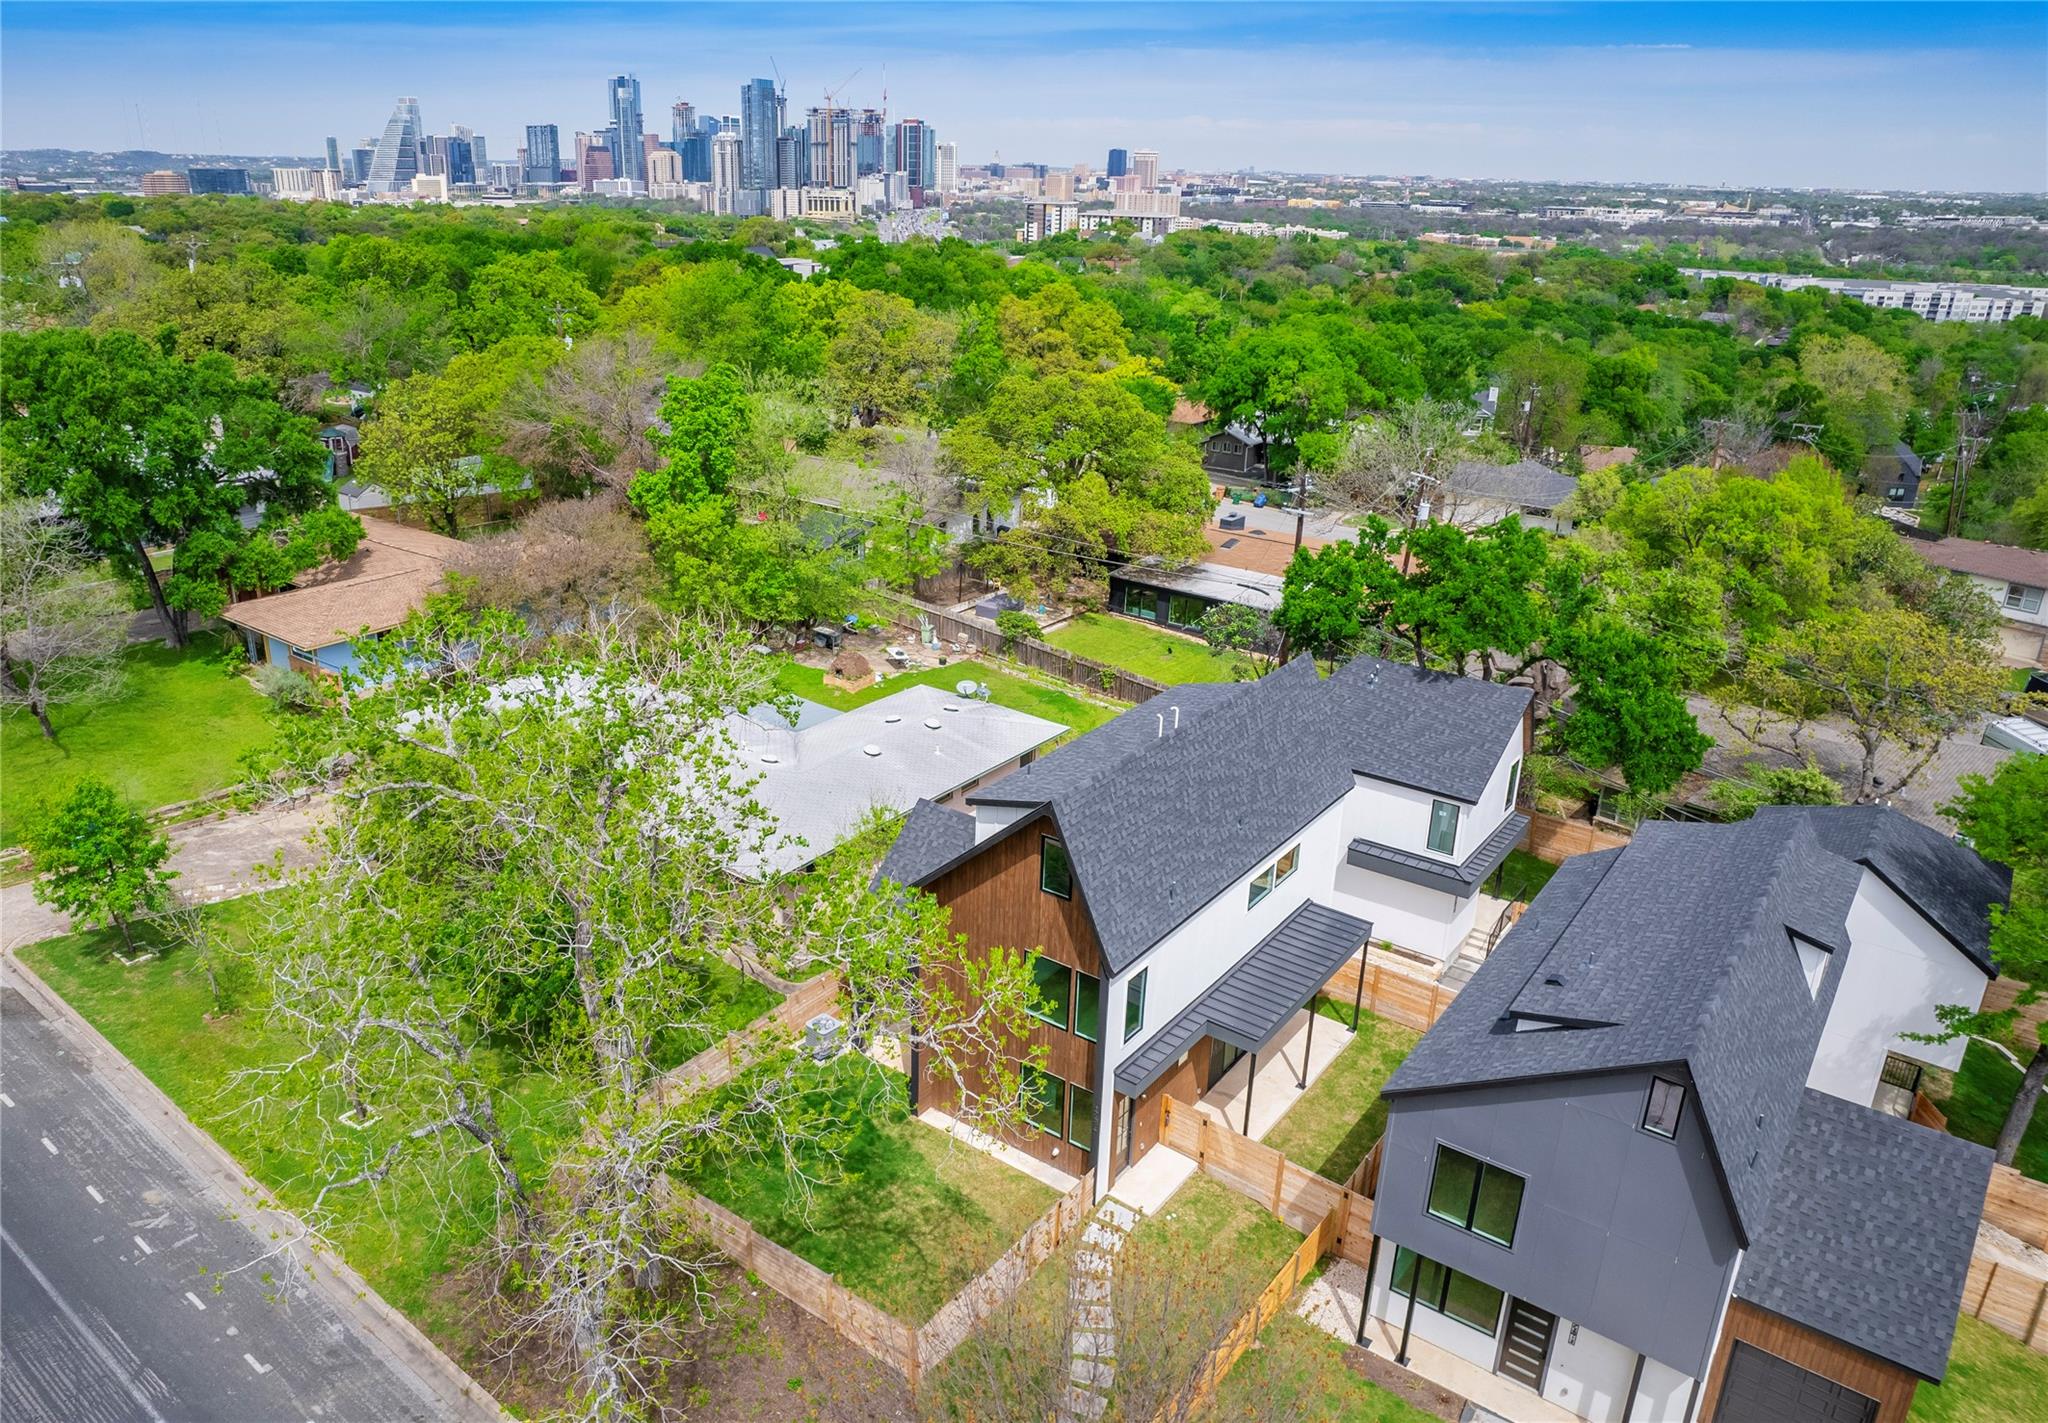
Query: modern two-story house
1650, 1163
1194, 871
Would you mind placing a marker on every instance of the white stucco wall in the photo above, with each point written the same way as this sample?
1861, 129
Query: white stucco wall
1995, 590
1589, 1373
1427, 921
1474, 1346
1899, 967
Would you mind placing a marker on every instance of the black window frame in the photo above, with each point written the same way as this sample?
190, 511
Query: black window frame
1134, 1004
1065, 1021
1514, 783
1438, 1297
1650, 1102
1075, 1092
1429, 837
1076, 1029
1468, 1224
1033, 1077
1066, 862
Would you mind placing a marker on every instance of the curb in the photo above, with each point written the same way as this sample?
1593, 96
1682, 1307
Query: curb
457, 1394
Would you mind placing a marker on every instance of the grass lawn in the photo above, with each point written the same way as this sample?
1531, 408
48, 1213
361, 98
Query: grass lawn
1520, 876
1991, 1378
1339, 1118
175, 731
1148, 651
732, 999
1005, 690
910, 1218
156, 1014
1979, 1099
1298, 1371
1206, 1223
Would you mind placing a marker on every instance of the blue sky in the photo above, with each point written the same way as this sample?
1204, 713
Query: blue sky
1850, 95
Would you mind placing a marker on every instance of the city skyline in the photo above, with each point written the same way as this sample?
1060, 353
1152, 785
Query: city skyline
1707, 94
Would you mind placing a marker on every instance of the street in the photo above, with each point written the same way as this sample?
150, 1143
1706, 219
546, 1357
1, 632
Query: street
122, 1292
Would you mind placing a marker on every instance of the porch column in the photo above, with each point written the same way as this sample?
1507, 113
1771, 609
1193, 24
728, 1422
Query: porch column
1307, 1047
1358, 998
1408, 1321
1249, 1078
1635, 1381
1372, 1268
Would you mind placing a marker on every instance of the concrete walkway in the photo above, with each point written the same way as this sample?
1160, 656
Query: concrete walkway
1091, 1302
215, 860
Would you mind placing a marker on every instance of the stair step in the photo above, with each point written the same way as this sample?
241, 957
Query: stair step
1094, 1316
1078, 1403
1095, 1344
1092, 1373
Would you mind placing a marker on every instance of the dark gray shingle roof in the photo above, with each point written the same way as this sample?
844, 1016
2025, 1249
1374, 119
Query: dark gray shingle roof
1871, 1227
1949, 882
1157, 825
1525, 482
1459, 879
931, 836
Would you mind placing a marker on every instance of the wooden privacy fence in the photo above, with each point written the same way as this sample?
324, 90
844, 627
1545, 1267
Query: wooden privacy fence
717, 1063
1999, 995
1553, 838
1390, 994
1098, 677
2017, 1206
2008, 1299
1290, 1191
957, 1318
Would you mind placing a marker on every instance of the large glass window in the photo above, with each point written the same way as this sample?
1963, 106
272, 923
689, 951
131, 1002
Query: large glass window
1088, 1006
1055, 871
1045, 1099
1660, 1113
1446, 1291
1054, 983
1443, 827
1185, 610
1514, 783
1081, 1121
1475, 1196
1134, 1005
2020, 597
1266, 880
1262, 885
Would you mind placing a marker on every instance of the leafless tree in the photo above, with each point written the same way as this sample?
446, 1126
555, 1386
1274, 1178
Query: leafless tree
585, 422
573, 563
61, 624
1393, 460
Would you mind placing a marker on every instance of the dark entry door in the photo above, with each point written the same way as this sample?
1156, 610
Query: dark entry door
1525, 1344
1763, 1388
1222, 1057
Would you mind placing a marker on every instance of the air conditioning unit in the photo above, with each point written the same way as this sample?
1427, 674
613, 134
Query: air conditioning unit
824, 1037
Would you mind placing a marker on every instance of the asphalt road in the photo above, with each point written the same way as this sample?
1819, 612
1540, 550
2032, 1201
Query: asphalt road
116, 1297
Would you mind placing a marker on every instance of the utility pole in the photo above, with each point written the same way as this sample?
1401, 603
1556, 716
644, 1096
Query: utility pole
1971, 422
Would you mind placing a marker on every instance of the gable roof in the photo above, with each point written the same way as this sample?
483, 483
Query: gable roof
1186, 758
931, 836
375, 589
1872, 1223
1524, 482
1986, 560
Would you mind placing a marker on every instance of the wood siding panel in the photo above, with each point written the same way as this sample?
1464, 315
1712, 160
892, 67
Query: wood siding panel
1889, 1384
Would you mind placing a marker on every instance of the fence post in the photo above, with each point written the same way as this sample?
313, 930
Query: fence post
1985, 1293
1279, 1179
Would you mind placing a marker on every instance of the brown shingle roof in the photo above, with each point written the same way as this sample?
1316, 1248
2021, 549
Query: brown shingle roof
2014, 565
392, 570
1254, 549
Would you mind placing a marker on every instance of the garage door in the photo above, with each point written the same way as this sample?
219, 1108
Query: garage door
1763, 1388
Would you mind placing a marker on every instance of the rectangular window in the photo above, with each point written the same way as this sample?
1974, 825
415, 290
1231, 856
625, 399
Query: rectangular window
2022, 598
1660, 1112
1184, 610
1054, 983
1286, 863
1447, 1291
1081, 1120
1443, 827
1045, 1100
1514, 783
1474, 1196
1269, 878
1087, 1006
1134, 1005
1055, 871
1262, 885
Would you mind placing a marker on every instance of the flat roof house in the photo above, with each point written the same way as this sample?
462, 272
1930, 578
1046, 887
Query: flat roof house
314, 625
1195, 870
1652, 1162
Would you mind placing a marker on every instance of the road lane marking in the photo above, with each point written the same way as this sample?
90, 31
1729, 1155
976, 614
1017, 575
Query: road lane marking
259, 1368
143, 1243
186, 1241
94, 1193
93, 1341
5, 1100
49, 1146
197, 1303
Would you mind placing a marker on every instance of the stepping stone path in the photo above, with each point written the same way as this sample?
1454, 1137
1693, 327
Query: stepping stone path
1092, 1369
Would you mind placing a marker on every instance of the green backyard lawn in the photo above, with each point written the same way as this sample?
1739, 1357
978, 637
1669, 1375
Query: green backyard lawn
1148, 651
909, 1215
1992, 1378
1298, 1371
1521, 876
176, 731
1339, 1118
1976, 1107
1005, 690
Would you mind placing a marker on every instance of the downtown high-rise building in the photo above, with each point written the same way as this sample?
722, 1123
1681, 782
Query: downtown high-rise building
217, 180
792, 159
1119, 163
914, 152
543, 153
334, 156
870, 141
760, 129
949, 167
623, 94
1145, 167
459, 159
829, 134
726, 165
397, 159
683, 122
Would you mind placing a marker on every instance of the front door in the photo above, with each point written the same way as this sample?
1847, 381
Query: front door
1525, 1344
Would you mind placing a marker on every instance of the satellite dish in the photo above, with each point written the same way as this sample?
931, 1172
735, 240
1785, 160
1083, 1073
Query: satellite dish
966, 687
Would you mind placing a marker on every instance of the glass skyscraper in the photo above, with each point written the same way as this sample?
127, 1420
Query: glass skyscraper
397, 160
543, 153
760, 129
1119, 162
629, 159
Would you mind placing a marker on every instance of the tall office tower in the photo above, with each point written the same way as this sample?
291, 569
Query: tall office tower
575, 164
627, 160
434, 155
792, 159
596, 165
1145, 166
1059, 186
397, 160
684, 114
696, 151
543, 153
760, 127
830, 136
949, 167
1119, 163
460, 158
870, 140
914, 152
664, 168
334, 154
726, 154
478, 158
724, 123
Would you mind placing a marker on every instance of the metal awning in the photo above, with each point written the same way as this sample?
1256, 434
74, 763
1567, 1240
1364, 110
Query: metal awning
1461, 880
1253, 1001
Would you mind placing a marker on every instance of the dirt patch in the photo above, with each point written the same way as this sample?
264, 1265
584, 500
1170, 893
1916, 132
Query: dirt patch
1413, 1387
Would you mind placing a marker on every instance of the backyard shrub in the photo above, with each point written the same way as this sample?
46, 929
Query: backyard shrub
287, 688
